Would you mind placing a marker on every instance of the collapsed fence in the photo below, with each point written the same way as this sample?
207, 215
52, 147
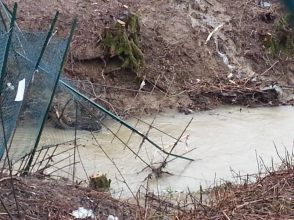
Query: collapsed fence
31, 66
34, 95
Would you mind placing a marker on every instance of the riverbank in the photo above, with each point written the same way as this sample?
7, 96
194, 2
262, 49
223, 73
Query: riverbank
270, 196
197, 54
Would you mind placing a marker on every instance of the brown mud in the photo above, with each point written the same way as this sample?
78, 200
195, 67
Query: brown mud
182, 69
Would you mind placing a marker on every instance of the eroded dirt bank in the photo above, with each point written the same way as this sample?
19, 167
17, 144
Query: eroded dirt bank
270, 197
189, 72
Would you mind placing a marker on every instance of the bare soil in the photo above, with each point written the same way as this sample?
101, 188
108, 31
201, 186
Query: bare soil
181, 69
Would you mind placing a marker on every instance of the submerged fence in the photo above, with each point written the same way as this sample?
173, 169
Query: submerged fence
34, 94
31, 64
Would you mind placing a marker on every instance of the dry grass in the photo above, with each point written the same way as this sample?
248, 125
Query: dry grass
271, 196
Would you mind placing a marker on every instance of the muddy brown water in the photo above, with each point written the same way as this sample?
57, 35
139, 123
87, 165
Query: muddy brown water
224, 139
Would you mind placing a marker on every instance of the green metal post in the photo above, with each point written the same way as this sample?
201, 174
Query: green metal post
121, 121
110, 114
3, 71
26, 170
3, 74
113, 116
49, 35
36, 68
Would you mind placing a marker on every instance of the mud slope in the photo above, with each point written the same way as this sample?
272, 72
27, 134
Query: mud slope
190, 72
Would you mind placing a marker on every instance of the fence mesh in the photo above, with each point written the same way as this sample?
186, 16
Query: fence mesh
47, 121
28, 82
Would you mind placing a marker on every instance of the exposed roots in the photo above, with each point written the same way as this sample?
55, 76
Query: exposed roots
122, 41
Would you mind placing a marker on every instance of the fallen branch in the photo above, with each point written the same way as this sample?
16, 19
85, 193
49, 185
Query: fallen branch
8, 178
272, 66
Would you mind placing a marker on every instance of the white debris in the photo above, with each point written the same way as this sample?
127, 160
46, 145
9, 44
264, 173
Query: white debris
111, 217
276, 88
142, 85
10, 86
226, 60
263, 4
82, 213
122, 23
230, 76
223, 56
20, 90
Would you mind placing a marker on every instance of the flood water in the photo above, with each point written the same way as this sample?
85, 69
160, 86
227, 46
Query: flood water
224, 139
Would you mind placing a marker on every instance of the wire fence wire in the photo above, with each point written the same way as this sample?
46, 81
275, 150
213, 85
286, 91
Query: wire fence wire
34, 97
47, 123
30, 67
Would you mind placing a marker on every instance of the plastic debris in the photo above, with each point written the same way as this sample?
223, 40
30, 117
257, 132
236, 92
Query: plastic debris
20, 90
142, 85
263, 4
276, 88
226, 60
111, 217
230, 76
82, 213
10, 86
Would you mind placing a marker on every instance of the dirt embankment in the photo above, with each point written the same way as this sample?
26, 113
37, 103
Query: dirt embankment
270, 197
182, 67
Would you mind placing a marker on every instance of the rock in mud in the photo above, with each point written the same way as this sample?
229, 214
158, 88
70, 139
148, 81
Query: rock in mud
70, 112
99, 182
